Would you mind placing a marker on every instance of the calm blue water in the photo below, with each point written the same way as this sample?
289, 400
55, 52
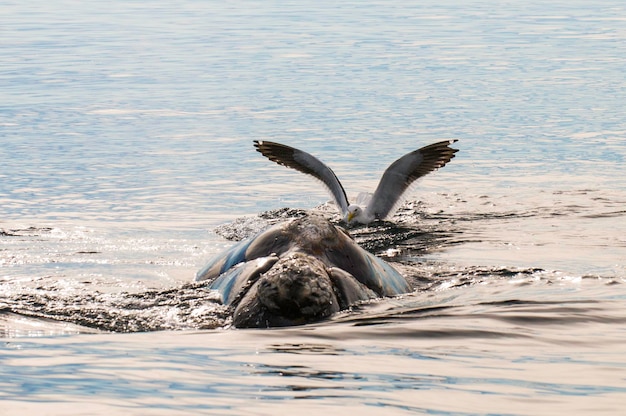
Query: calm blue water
126, 135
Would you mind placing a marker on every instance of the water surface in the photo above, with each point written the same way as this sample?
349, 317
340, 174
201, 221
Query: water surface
127, 135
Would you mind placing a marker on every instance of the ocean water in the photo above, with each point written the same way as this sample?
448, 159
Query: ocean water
126, 135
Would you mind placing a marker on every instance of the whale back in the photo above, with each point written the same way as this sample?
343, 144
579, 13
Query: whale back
272, 241
277, 258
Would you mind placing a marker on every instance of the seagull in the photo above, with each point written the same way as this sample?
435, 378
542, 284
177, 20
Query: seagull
388, 195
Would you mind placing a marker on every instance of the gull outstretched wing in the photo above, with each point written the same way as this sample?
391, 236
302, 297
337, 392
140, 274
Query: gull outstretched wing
403, 172
305, 163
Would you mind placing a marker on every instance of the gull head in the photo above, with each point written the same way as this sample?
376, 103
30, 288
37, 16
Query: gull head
356, 214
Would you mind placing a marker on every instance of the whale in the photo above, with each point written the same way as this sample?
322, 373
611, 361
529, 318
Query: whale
297, 272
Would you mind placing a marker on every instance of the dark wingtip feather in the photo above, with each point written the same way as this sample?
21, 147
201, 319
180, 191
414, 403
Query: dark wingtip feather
439, 153
279, 153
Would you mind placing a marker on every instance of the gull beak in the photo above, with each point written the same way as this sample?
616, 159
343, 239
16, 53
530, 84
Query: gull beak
350, 216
